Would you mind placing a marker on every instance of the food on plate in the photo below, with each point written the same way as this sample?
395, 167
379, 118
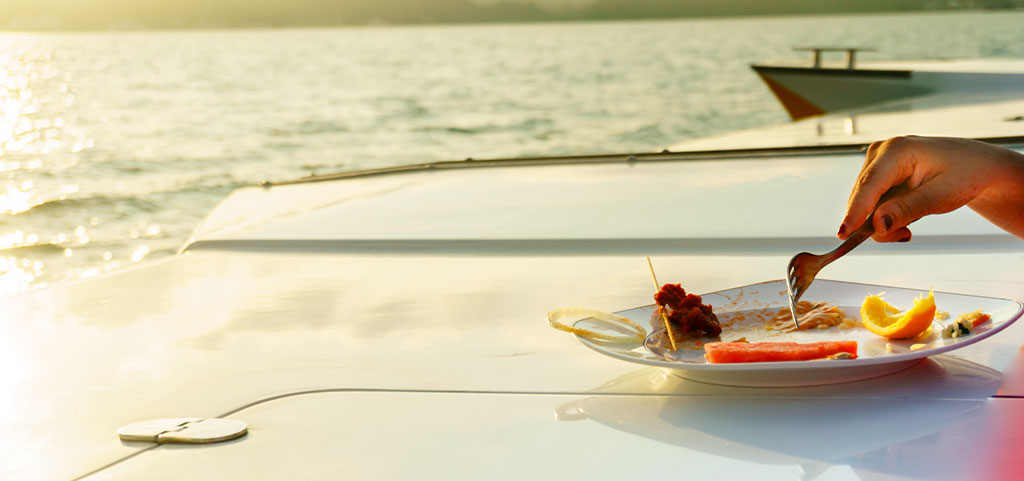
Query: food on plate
687, 315
975, 317
631, 331
965, 323
813, 315
958, 328
734, 352
887, 321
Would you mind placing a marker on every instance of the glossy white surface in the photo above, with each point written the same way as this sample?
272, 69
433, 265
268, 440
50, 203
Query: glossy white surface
440, 436
457, 335
210, 332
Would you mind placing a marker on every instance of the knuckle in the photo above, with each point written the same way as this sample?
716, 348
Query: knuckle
871, 154
900, 143
867, 178
902, 210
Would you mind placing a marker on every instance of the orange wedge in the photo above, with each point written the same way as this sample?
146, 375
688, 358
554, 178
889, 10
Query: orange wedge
887, 321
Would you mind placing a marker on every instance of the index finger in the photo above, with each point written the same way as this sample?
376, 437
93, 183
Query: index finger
869, 156
888, 169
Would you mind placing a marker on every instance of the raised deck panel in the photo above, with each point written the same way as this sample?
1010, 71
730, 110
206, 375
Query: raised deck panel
764, 204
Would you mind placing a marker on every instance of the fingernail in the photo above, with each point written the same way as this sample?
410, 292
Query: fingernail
887, 222
842, 229
905, 239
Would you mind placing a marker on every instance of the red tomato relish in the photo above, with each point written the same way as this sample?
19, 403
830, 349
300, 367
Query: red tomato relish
686, 313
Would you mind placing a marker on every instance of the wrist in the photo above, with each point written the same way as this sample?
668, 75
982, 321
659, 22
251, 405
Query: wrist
1002, 200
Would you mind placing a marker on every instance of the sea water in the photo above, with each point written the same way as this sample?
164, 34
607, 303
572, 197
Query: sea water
115, 145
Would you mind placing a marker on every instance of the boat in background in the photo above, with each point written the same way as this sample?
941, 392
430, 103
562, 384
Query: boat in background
856, 104
391, 324
806, 91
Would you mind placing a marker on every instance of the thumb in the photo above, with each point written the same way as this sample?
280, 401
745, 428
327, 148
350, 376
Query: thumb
907, 207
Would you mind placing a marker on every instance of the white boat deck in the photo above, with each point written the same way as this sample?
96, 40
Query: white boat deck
409, 308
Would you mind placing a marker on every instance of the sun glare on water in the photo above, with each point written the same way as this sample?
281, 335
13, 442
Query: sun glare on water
16, 105
37, 140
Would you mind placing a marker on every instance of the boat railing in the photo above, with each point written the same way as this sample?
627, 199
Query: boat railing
1014, 141
851, 54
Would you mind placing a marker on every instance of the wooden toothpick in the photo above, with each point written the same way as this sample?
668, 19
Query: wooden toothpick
664, 315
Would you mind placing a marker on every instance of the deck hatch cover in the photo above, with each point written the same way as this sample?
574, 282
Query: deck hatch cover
183, 431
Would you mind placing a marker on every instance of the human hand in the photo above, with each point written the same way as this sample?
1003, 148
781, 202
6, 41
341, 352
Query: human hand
940, 174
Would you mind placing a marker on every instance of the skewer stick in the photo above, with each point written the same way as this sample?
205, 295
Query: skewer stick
664, 316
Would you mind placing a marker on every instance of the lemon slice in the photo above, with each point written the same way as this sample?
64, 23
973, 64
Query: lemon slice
887, 321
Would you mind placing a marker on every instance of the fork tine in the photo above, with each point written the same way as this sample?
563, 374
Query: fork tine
792, 310
804, 267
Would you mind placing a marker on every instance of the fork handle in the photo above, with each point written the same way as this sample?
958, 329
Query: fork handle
856, 238
867, 229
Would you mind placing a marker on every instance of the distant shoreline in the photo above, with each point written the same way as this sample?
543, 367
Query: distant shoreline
55, 25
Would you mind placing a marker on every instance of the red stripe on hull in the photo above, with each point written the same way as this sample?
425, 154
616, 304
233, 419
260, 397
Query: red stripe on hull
797, 106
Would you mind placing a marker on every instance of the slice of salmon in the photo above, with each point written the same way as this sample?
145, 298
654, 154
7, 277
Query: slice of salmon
729, 352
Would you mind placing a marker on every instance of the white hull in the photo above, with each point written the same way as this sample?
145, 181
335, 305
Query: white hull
809, 91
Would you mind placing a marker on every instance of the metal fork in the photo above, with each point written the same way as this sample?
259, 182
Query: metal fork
804, 266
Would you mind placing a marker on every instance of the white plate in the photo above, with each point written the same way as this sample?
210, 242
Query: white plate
874, 358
